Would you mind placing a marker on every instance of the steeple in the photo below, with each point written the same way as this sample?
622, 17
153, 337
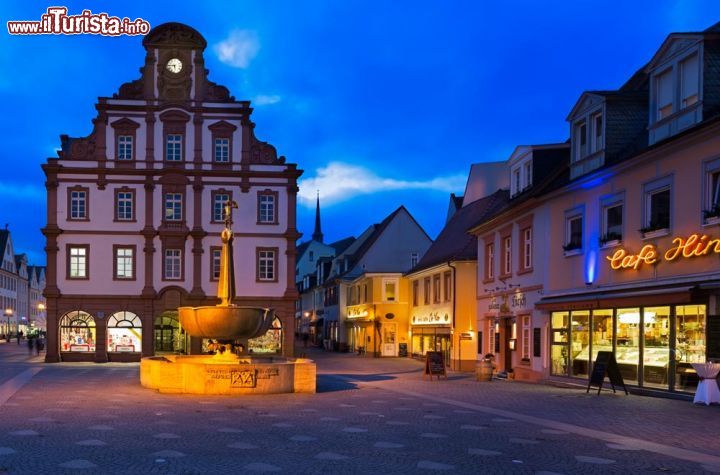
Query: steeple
317, 234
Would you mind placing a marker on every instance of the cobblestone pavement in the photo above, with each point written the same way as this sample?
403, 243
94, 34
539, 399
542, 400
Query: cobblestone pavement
369, 416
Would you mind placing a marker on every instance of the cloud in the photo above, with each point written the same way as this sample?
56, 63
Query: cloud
238, 49
340, 181
264, 100
22, 191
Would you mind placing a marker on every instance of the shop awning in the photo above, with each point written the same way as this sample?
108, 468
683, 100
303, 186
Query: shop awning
618, 298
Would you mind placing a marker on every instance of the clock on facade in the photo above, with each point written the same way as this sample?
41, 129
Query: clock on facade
174, 65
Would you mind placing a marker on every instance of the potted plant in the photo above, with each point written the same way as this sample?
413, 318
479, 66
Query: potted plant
653, 228
712, 215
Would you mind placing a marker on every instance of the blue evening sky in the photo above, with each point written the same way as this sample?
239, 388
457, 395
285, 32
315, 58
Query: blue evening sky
381, 103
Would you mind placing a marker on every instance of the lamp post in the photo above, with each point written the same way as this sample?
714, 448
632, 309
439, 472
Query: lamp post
41, 309
8, 314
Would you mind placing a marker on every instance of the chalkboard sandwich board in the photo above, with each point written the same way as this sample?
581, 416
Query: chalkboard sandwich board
605, 364
434, 365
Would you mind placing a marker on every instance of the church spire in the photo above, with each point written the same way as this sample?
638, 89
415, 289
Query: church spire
317, 234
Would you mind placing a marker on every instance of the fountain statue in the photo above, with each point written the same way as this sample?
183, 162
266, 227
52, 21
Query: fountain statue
228, 371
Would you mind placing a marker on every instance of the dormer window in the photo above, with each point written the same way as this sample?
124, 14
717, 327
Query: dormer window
521, 177
597, 132
663, 94
689, 81
528, 174
516, 180
580, 140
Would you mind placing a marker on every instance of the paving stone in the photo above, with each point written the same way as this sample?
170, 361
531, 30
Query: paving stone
483, 452
331, 456
168, 454
594, 460
428, 465
472, 427
261, 467
621, 447
91, 443
7, 451
242, 446
433, 435
230, 430
166, 435
24, 433
303, 438
78, 464
387, 445
354, 429
101, 427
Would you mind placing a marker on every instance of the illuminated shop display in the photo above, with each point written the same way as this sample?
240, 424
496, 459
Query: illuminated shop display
124, 333
695, 245
77, 332
641, 339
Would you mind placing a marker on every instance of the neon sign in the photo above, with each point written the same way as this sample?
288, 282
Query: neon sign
695, 245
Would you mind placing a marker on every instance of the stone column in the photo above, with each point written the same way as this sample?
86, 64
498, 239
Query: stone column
197, 234
52, 292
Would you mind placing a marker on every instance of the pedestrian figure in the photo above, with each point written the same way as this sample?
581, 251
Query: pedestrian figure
31, 342
306, 337
39, 345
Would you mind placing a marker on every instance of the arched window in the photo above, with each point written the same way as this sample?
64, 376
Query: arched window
270, 342
77, 332
124, 333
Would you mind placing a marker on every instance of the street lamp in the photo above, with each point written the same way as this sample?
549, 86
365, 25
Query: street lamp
8, 314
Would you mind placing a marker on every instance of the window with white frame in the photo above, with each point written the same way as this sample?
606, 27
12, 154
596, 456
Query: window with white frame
172, 265
77, 261
525, 340
664, 94
173, 206
266, 263
507, 255
125, 147
612, 216
597, 132
78, 204
218, 208
124, 259
516, 181
573, 232
436, 289
657, 204
490, 261
173, 147
222, 150
580, 140
527, 248
390, 290
527, 168
124, 210
426, 290
712, 190
267, 207
689, 81
215, 254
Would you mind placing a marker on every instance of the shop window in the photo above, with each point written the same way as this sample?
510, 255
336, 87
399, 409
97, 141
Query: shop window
169, 336
690, 344
602, 332
657, 196
656, 346
580, 342
525, 340
124, 333
77, 332
559, 352
270, 342
628, 343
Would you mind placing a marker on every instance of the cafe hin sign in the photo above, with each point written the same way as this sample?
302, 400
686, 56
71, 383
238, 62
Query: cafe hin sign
695, 245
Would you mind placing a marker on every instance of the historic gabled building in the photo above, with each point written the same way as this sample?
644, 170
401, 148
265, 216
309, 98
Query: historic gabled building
380, 255
135, 212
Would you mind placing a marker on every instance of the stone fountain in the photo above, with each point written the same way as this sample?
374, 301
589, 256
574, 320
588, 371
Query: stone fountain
229, 371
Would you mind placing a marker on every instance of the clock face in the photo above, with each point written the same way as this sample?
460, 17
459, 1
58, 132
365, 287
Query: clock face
174, 65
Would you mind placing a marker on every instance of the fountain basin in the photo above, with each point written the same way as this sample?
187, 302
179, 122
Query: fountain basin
204, 374
225, 322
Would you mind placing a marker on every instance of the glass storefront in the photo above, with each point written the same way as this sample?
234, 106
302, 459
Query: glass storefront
641, 338
169, 336
124, 333
431, 339
77, 332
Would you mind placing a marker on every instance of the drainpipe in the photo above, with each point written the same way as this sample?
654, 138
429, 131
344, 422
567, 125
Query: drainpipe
375, 330
454, 287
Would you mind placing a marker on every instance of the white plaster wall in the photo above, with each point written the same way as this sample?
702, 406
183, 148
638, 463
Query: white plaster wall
101, 208
101, 265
